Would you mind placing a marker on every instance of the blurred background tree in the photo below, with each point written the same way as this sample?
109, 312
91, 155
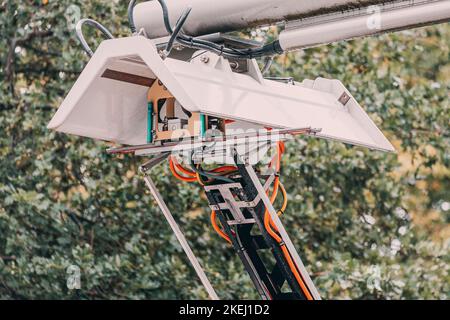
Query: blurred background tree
367, 224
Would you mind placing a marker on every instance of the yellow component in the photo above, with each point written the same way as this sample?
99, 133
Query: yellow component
158, 92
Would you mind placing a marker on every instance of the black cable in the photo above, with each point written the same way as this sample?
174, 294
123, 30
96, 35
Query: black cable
269, 49
186, 112
267, 65
195, 43
166, 16
94, 24
177, 30
200, 171
130, 16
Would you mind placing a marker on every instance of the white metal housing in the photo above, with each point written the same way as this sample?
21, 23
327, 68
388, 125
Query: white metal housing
103, 108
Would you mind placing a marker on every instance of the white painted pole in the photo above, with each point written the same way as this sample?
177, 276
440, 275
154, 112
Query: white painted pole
317, 22
212, 16
371, 21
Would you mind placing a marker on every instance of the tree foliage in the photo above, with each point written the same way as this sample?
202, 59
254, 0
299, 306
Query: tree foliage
367, 224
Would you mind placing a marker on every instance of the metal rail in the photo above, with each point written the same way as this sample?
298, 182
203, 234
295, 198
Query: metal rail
190, 143
286, 239
175, 228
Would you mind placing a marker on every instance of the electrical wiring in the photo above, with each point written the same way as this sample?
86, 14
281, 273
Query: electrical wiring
217, 228
277, 183
177, 175
268, 63
194, 176
94, 24
131, 5
176, 31
176, 35
285, 200
268, 223
200, 180
191, 42
296, 273
272, 230
166, 19
183, 169
269, 49
206, 174
225, 170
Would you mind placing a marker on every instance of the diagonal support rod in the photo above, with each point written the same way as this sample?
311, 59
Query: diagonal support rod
176, 229
282, 230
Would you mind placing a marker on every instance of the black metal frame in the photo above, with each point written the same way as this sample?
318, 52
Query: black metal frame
249, 240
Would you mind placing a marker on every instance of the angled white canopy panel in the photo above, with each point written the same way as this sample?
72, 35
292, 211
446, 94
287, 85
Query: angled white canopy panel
100, 107
109, 100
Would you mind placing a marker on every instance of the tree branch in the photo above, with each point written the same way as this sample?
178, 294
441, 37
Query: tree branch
10, 57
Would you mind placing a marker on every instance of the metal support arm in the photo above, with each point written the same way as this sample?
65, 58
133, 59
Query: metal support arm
175, 228
281, 229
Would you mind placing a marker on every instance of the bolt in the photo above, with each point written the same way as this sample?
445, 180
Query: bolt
234, 65
163, 54
204, 59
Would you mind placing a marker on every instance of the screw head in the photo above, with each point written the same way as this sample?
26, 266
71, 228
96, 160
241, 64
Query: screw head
204, 59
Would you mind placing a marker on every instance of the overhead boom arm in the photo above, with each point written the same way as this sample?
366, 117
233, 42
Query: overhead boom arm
308, 23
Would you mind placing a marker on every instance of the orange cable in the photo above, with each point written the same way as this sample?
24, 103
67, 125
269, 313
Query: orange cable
296, 273
184, 170
217, 228
194, 176
224, 169
177, 175
268, 222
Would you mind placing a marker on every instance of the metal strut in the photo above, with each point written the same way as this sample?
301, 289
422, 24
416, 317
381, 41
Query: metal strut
240, 207
285, 237
175, 228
